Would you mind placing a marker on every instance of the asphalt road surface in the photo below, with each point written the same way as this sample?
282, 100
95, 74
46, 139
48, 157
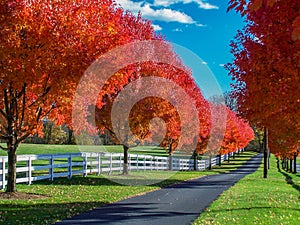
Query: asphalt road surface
178, 204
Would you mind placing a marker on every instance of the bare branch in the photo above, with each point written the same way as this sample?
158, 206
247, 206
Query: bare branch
39, 113
22, 138
3, 113
46, 91
4, 149
23, 106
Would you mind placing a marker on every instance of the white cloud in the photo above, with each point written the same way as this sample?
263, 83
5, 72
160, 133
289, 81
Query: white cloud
165, 14
156, 27
177, 30
200, 25
201, 3
134, 7
221, 64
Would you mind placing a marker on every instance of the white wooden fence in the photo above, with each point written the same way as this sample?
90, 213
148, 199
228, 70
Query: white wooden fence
40, 167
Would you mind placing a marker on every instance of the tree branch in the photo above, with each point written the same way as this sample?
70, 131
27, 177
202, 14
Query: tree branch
4, 149
23, 106
46, 91
3, 113
22, 138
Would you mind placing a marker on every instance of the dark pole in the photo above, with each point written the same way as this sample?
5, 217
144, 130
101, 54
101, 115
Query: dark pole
195, 160
295, 163
170, 154
209, 167
265, 153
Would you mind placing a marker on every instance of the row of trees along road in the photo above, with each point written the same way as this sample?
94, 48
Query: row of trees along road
266, 67
45, 48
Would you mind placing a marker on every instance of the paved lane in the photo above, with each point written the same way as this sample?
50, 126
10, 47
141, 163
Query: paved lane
175, 205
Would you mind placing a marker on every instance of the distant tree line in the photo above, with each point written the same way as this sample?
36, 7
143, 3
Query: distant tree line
62, 134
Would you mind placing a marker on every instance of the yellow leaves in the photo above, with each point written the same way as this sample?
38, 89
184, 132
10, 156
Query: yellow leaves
111, 31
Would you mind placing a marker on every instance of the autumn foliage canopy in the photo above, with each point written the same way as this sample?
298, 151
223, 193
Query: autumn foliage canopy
46, 47
267, 70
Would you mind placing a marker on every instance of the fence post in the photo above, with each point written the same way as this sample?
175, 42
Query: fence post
28, 173
51, 170
210, 159
170, 162
3, 173
137, 162
110, 164
144, 163
120, 161
70, 166
85, 165
129, 162
151, 163
99, 163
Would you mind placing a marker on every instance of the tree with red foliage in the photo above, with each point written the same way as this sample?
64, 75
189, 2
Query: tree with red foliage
238, 133
32, 76
45, 48
159, 88
266, 68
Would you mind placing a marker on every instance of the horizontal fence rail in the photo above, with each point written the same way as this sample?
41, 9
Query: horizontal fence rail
41, 167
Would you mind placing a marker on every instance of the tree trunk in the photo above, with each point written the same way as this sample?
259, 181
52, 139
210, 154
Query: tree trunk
49, 132
295, 163
228, 159
261, 146
291, 165
170, 155
269, 156
220, 160
70, 136
195, 160
287, 165
277, 163
125, 164
209, 166
170, 161
265, 153
12, 169
261, 143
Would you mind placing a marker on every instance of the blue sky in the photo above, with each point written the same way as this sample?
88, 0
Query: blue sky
202, 26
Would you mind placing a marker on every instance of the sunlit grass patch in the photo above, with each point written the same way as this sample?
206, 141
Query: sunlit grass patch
255, 200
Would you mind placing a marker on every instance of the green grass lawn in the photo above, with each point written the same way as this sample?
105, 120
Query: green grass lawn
255, 200
70, 197
60, 149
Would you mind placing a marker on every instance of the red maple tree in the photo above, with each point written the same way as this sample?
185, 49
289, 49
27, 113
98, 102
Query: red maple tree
266, 68
45, 48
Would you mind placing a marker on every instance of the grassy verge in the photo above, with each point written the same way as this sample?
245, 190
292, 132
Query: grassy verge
255, 200
70, 197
